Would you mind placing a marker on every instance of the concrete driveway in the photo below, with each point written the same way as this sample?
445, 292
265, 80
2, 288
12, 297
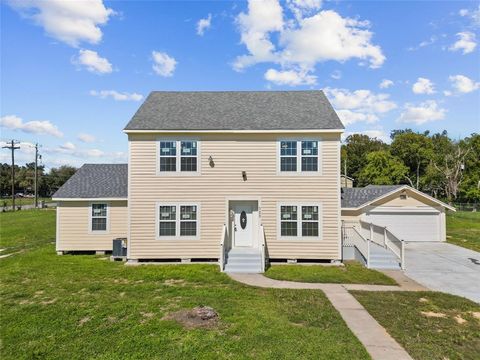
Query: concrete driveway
444, 267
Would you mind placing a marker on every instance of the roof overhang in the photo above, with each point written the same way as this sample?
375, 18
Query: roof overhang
400, 189
90, 199
279, 131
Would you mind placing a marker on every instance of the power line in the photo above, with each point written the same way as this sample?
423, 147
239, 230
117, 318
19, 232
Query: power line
12, 147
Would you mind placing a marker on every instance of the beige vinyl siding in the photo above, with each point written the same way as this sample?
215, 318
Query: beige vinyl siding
74, 233
232, 153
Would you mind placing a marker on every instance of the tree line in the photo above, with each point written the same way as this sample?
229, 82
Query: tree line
48, 183
445, 168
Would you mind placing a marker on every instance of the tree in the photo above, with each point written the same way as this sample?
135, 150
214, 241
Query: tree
382, 168
355, 151
416, 151
469, 188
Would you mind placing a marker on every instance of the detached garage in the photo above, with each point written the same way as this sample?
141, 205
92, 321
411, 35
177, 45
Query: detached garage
408, 213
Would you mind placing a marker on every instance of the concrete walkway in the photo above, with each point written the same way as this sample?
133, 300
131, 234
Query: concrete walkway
379, 344
444, 267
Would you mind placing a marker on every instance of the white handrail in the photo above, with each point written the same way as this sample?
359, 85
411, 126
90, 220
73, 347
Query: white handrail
262, 246
382, 236
354, 237
221, 260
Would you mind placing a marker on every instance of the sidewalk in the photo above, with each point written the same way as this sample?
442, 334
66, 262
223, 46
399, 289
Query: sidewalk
379, 344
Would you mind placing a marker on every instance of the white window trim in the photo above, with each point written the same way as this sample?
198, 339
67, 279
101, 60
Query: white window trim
178, 204
90, 216
299, 205
299, 171
178, 157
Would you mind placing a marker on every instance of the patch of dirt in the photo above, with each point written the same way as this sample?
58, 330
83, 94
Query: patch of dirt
84, 320
122, 294
423, 300
460, 320
174, 282
433, 314
146, 316
48, 302
199, 317
475, 314
26, 302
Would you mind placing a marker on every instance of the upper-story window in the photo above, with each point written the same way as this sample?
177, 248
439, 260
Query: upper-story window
299, 156
178, 156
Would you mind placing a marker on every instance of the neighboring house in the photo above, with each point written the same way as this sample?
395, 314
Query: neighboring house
251, 161
346, 181
234, 177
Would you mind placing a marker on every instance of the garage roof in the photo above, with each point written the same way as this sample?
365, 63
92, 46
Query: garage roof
96, 181
353, 198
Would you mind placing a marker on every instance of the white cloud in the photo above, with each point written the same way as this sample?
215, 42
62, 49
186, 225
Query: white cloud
463, 84
163, 64
337, 75
86, 138
93, 62
359, 105
14, 122
71, 22
301, 8
474, 15
385, 84
290, 77
301, 42
427, 111
68, 146
423, 86
424, 43
466, 42
204, 24
115, 95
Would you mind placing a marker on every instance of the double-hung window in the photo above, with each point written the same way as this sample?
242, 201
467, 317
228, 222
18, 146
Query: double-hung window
177, 221
99, 217
178, 156
300, 220
299, 156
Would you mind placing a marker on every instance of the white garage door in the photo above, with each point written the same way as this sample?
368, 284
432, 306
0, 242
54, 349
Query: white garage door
409, 226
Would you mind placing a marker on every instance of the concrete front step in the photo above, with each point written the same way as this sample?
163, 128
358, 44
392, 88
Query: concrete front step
246, 260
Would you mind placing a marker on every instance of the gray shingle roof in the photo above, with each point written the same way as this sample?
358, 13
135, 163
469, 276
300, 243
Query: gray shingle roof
96, 181
235, 110
355, 197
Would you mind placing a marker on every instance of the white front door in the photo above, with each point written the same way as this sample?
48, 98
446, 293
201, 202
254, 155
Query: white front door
243, 224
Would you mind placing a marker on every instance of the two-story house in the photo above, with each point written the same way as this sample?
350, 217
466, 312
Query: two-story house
239, 178
243, 169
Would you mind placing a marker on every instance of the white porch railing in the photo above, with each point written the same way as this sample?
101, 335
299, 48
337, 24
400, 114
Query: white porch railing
382, 236
352, 237
221, 259
262, 246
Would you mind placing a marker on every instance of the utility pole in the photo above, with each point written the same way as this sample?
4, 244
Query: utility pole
36, 176
12, 147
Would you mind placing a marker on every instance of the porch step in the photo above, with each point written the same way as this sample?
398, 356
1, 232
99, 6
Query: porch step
240, 260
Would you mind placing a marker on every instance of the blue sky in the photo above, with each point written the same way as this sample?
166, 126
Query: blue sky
73, 74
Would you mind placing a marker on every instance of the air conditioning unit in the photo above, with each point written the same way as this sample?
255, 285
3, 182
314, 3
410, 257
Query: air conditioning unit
119, 251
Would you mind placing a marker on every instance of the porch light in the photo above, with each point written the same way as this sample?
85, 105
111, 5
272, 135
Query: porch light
211, 162
244, 175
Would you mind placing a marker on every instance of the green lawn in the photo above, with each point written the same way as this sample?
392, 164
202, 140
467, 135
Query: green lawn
352, 273
463, 229
26, 229
84, 307
22, 201
429, 325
